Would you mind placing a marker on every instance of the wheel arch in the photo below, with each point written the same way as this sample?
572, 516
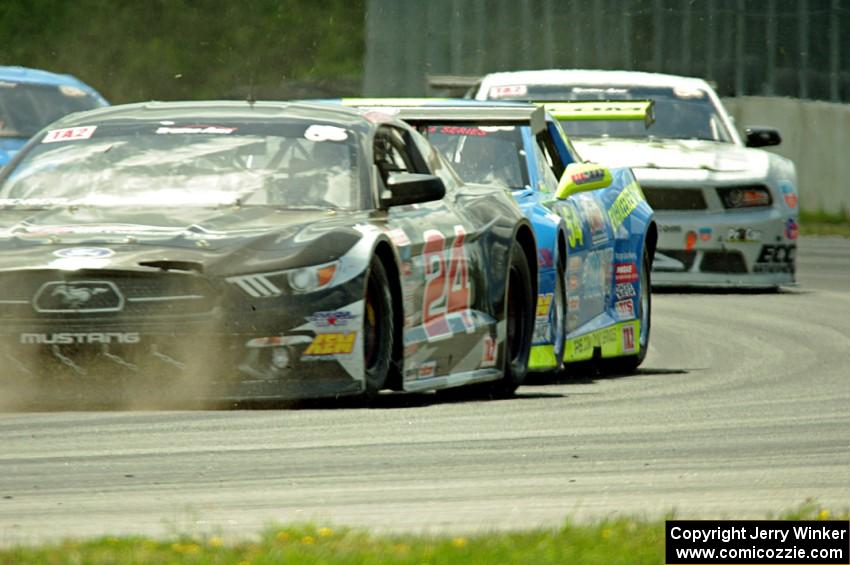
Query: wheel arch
650, 241
385, 254
562, 245
525, 237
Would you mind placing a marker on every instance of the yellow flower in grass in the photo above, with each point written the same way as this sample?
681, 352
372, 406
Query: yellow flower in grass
325, 532
308, 540
606, 533
215, 541
187, 548
823, 514
282, 536
459, 542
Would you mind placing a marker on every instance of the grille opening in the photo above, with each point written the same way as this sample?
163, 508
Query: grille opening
723, 262
675, 198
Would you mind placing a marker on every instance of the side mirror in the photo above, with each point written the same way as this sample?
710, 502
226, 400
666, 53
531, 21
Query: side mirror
410, 188
580, 177
762, 137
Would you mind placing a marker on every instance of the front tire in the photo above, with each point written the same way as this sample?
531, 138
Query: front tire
519, 325
378, 331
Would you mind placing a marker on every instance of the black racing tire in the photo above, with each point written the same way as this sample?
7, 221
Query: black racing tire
519, 325
630, 363
559, 313
378, 330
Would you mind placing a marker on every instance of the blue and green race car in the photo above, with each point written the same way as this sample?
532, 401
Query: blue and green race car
596, 234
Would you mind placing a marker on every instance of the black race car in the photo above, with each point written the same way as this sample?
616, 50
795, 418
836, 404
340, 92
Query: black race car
256, 250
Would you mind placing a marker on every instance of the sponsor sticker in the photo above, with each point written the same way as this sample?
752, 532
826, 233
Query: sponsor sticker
544, 301
336, 318
625, 309
743, 235
670, 229
331, 344
69, 134
625, 203
542, 331
508, 91
625, 290
574, 264
488, 353
792, 230
399, 237
458, 130
788, 194
588, 176
776, 259
427, 370
625, 272
544, 257
597, 223
209, 130
573, 282
628, 339
705, 234
84, 253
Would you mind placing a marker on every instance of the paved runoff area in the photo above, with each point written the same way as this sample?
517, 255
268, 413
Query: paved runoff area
740, 411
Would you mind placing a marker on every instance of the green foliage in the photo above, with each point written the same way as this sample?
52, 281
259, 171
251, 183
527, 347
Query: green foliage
185, 49
612, 541
823, 223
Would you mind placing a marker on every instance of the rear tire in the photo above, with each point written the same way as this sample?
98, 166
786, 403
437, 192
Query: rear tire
519, 325
378, 330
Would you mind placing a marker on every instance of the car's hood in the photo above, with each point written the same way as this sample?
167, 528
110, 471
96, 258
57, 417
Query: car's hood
222, 241
686, 154
9, 146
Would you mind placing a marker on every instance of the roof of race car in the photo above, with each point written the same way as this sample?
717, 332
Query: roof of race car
226, 110
427, 109
588, 77
37, 76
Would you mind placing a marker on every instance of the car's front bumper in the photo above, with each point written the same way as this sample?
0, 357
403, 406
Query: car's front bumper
286, 347
725, 249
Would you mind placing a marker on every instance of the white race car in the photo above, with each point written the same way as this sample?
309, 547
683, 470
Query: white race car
727, 212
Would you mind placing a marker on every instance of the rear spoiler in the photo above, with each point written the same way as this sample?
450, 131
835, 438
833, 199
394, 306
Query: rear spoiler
457, 85
609, 110
425, 111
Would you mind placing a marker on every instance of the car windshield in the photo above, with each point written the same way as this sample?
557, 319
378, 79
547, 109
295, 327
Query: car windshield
485, 155
26, 108
293, 165
679, 113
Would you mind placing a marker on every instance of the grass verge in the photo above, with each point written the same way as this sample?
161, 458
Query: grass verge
612, 541
822, 223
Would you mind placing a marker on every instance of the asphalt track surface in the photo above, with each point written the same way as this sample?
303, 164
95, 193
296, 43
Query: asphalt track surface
741, 410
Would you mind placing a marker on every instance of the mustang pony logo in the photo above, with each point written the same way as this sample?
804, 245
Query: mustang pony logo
74, 296
78, 296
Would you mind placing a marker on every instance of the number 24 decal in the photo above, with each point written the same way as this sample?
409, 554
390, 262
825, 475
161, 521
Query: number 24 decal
446, 290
